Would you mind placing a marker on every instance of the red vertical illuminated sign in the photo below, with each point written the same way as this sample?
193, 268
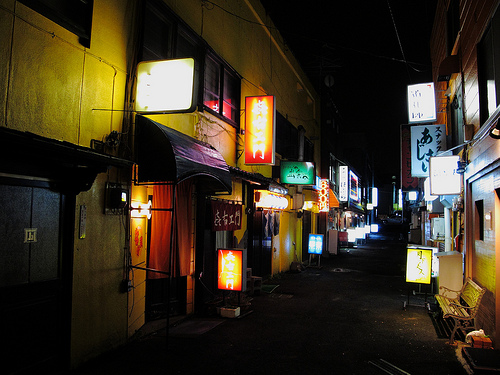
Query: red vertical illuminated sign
324, 195
230, 270
260, 122
408, 182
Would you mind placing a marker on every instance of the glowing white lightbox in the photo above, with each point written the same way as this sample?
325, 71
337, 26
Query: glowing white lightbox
165, 86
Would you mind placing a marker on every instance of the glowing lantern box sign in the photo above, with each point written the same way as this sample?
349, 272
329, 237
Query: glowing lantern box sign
260, 122
324, 195
315, 244
418, 265
444, 179
343, 189
267, 199
421, 103
297, 172
230, 270
165, 86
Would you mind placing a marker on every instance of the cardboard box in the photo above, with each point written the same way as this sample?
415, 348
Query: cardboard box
230, 312
481, 342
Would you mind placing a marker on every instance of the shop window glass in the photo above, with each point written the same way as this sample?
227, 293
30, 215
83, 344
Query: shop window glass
489, 69
479, 221
221, 90
211, 98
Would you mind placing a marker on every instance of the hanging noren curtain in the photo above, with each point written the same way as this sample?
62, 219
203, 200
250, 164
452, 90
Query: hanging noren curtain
161, 231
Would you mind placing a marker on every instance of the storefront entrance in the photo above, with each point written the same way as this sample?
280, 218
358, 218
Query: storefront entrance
31, 283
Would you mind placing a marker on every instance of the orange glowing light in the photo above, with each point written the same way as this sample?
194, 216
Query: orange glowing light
324, 195
260, 125
230, 269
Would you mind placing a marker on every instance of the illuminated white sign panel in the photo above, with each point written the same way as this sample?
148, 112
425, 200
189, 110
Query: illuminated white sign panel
267, 199
426, 142
375, 197
343, 186
427, 191
165, 86
444, 178
421, 103
354, 187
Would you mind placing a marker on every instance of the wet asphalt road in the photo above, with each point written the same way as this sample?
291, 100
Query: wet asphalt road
345, 317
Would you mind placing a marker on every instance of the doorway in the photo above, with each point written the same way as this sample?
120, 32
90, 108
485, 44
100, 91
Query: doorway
31, 283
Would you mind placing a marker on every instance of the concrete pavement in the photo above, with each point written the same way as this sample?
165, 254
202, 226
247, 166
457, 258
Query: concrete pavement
346, 317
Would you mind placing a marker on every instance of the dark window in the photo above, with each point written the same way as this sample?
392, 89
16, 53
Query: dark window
287, 138
165, 36
308, 150
222, 89
457, 119
479, 221
489, 69
158, 35
73, 15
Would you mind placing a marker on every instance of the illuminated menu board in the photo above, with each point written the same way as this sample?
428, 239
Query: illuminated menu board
230, 269
315, 244
418, 265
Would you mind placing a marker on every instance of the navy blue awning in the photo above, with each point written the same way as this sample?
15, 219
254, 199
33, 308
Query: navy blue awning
167, 155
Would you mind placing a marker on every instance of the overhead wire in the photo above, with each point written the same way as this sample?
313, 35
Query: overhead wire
322, 41
399, 39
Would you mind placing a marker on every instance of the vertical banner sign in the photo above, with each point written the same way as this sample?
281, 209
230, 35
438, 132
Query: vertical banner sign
226, 216
421, 103
418, 265
260, 123
343, 183
230, 269
408, 182
426, 142
324, 195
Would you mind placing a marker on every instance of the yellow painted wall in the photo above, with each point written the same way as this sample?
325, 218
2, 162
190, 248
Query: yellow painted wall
267, 67
269, 70
138, 254
52, 86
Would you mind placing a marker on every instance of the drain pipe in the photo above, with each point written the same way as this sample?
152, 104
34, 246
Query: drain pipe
302, 131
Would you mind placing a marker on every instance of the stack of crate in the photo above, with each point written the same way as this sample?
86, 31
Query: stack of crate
254, 283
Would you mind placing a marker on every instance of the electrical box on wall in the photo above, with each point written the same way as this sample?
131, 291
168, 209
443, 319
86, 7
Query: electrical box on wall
116, 199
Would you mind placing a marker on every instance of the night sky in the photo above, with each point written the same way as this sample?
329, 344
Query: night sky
373, 49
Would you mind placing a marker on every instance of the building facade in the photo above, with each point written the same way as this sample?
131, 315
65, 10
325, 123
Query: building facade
464, 45
112, 213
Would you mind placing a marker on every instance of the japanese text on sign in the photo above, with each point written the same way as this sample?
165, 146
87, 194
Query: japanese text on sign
230, 269
426, 141
421, 103
343, 184
260, 127
315, 244
226, 216
324, 195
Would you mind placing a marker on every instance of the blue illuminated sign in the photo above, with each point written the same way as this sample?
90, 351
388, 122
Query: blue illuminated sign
315, 244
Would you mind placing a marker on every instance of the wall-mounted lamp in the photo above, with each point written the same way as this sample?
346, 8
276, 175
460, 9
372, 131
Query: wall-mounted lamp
139, 209
495, 132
